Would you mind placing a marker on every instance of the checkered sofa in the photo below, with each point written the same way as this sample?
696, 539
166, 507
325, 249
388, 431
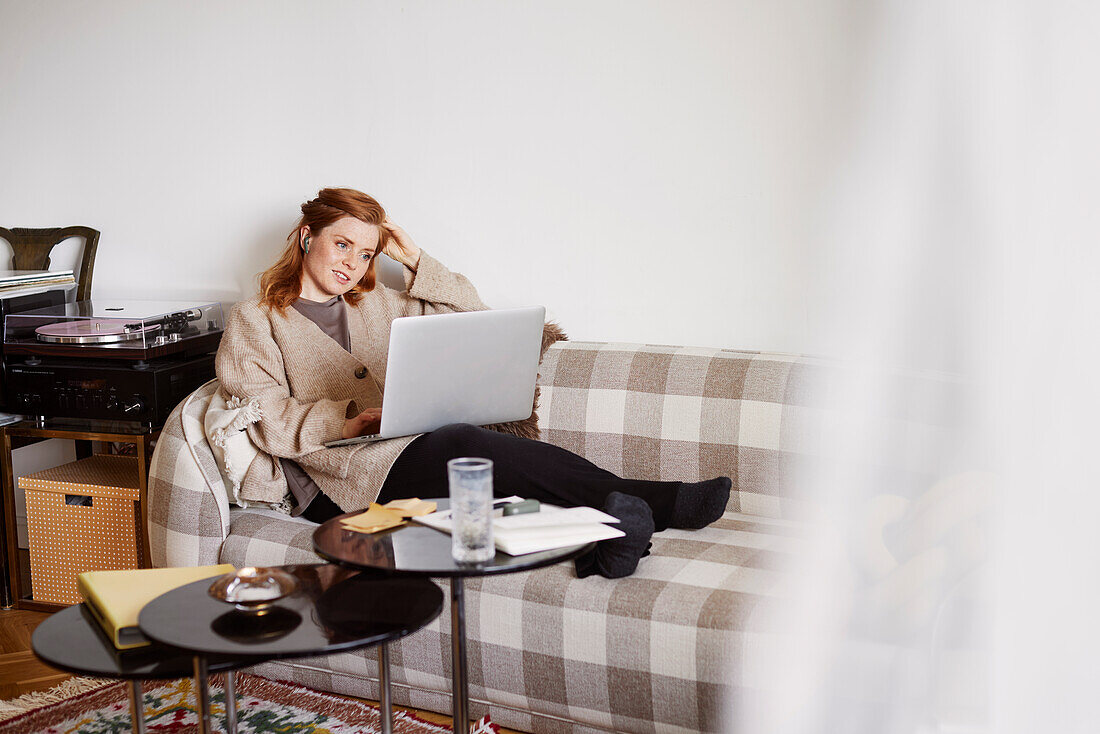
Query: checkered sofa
659, 651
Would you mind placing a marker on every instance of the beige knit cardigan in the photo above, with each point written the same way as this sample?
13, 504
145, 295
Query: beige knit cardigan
307, 385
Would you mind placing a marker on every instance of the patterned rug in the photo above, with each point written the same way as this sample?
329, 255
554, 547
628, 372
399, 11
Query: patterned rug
263, 705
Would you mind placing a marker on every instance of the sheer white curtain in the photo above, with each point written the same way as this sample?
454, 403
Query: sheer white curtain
951, 581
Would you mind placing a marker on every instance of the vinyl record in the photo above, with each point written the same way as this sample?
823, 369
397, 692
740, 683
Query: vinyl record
95, 331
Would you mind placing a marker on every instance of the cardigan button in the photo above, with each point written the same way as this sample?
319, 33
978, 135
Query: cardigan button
360, 373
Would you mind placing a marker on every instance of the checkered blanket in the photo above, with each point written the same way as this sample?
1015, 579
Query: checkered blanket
658, 651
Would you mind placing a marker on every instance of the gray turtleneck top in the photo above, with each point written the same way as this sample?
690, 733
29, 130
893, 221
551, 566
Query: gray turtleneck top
332, 318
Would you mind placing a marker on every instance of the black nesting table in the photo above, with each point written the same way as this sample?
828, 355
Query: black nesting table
334, 609
420, 551
72, 640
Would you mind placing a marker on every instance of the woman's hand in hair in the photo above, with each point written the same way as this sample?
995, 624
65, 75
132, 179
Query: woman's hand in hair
400, 246
364, 424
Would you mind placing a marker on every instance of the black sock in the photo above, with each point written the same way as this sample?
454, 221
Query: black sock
698, 504
619, 557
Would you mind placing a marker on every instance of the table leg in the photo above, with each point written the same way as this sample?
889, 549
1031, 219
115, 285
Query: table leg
384, 688
11, 584
231, 702
460, 690
137, 707
202, 694
5, 582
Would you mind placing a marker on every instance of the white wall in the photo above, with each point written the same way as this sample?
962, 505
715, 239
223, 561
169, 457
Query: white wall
647, 170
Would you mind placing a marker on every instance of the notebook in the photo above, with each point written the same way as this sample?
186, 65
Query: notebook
551, 527
115, 598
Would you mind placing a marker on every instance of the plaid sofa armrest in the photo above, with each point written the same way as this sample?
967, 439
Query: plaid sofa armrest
672, 413
188, 507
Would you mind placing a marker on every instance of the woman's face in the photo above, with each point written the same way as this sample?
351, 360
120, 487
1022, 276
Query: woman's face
338, 257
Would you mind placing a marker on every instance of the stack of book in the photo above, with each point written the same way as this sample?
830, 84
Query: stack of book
12, 280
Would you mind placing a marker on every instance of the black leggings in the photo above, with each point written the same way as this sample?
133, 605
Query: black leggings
530, 469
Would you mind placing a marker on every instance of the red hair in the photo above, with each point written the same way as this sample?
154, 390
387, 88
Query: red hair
281, 284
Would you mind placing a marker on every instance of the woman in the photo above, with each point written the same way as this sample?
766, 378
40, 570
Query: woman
312, 348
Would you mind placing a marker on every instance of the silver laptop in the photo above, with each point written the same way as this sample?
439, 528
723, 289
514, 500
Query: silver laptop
477, 367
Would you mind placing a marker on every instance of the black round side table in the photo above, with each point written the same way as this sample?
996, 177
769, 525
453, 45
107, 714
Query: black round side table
421, 551
72, 640
334, 609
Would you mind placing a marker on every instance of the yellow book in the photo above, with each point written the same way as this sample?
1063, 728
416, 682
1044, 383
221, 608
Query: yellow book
116, 597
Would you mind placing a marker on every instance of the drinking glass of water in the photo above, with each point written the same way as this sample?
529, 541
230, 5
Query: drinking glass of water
471, 488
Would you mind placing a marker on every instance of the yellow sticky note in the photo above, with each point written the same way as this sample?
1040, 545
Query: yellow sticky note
374, 517
410, 507
372, 528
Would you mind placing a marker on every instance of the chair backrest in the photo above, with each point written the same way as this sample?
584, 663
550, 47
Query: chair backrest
32, 248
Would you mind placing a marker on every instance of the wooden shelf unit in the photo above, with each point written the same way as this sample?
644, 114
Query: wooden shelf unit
28, 432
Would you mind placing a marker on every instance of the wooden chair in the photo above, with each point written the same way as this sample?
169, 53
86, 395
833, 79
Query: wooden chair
32, 251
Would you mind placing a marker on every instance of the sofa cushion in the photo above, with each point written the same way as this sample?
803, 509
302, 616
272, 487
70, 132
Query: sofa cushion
262, 537
655, 648
683, 413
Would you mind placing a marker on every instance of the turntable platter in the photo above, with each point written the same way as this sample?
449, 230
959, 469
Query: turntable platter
136, 331
95, 331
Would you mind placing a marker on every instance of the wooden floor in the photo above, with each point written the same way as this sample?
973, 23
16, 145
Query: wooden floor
21, 672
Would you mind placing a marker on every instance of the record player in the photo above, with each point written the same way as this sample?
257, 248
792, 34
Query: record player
109, 360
